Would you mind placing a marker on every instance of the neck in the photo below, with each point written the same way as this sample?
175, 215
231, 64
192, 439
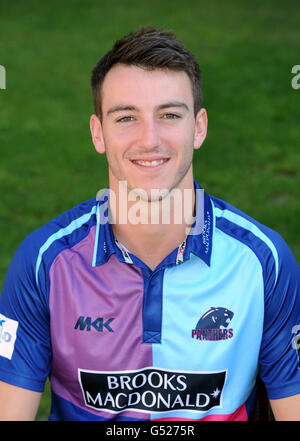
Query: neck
152, 230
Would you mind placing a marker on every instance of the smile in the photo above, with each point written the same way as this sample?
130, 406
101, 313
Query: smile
153, 163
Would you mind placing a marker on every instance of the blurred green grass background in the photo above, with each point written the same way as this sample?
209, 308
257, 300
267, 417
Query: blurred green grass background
246, 50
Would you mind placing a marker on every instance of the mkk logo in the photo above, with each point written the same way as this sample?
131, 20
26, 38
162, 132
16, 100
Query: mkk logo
213, 325
86, 323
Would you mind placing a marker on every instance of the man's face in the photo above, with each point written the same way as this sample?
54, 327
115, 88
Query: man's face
148, 128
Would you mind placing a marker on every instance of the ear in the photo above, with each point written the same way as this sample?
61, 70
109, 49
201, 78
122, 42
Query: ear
97, 134
200, 128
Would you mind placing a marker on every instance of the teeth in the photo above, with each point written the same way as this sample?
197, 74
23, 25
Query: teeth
151, 163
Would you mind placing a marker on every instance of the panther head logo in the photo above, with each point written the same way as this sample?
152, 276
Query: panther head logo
214, 318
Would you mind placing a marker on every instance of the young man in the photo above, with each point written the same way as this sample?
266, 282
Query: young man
135, 318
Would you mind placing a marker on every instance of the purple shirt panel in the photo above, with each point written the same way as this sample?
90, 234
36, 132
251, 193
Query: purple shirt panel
80, 292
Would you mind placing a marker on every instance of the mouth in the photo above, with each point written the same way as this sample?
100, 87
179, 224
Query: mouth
153, 164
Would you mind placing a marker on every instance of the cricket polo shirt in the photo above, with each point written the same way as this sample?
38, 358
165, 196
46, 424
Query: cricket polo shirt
121, 342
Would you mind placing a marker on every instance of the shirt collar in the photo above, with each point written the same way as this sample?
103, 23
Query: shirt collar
198, 242
200, 238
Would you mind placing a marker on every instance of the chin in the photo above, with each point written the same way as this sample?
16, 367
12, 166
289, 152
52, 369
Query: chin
154, 194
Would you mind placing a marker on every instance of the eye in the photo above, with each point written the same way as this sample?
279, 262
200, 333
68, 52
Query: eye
170, 116
125, 119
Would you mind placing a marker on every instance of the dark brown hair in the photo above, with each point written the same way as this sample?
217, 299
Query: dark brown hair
148, 48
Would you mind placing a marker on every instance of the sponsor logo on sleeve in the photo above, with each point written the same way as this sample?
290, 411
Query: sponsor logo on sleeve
8, 335
296, 341
152, 390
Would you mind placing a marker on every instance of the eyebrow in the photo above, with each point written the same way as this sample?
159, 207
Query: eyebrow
126, 107
120, 108
173, 104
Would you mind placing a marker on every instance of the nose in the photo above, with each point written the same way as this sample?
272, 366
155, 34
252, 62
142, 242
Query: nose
149, 135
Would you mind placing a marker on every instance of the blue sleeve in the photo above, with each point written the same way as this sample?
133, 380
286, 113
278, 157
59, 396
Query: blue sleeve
280, 348
25, 349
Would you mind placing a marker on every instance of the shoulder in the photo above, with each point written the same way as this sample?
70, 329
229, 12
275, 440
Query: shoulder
227, 214
62, 228
267, 244
41, 246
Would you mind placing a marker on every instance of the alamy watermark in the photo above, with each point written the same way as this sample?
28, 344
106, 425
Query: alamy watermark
2, 77
161, 207
296, 79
